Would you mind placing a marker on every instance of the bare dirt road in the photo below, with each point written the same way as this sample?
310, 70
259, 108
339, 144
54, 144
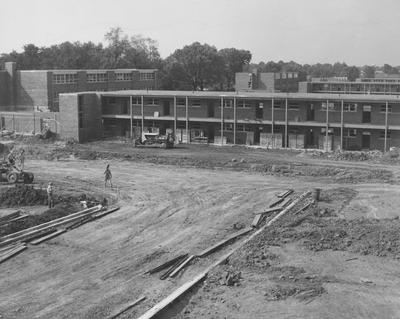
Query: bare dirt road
167, 210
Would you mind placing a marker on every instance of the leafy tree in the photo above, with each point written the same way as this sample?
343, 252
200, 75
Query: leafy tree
388, 69
234, 61
353, 73
198, 65
369, 71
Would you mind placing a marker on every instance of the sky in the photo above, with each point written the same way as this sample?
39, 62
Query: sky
357, 32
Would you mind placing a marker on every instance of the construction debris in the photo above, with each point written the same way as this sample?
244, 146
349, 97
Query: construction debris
181, 266
285, 193
166, 264
12, 252
49, 236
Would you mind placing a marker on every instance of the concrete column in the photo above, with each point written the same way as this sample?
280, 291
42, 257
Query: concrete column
386, 126
187, 121
11, 69
234, 121
272, 116
55, 122
222, 121
327, 124
175, 117
34, 123
286, 123
142, 109
341, 125
131, 110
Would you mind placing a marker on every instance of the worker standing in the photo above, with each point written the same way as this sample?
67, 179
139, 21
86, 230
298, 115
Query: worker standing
50, 200
107, 176
22, 159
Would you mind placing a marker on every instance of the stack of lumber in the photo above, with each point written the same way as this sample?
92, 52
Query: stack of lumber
14, 243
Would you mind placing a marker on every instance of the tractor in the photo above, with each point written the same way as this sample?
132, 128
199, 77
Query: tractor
12, 174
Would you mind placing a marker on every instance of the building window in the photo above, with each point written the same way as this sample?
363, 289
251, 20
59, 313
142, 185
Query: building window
123, 76
146, 76
181, 102
294, 106
195, 103
136, 101
383, 109
228, 103
277, 104
65, 78
151, 102
239, 127
382, 134
243, 103
228, 127
350, 107
351, 132
96, 77
111, 100
331, 106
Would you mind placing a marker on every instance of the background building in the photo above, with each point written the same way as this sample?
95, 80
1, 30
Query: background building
269, 82
30, 90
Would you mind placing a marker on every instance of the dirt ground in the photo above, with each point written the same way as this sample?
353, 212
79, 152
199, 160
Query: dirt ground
339, 260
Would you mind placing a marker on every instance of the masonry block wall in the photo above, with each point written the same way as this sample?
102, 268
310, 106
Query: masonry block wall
69, 116
32, 89
4, 90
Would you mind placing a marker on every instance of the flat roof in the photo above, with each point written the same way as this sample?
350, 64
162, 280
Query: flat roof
252, 95
88, 70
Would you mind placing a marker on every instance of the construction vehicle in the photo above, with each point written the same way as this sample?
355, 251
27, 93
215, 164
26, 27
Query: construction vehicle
11, 173
155, 140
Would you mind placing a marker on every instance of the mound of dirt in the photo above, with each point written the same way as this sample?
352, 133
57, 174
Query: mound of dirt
22, 195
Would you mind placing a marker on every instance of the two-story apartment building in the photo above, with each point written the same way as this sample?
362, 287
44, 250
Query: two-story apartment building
292, 120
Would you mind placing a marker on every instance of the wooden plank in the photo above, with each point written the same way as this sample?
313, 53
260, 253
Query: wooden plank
257, 220
181, 266
12, 253
104, 213
271, 210
5, 248
223, 242
286, 201
166, 264
285, 193
14, 219
47, 237
172, 297
53, 222
276, 202
7, 218
127, 307
172, 268
38, 230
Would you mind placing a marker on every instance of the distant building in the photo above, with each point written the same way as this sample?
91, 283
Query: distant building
30, 90
267, 82
385, 86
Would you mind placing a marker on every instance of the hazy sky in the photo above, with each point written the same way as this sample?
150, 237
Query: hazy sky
306, 31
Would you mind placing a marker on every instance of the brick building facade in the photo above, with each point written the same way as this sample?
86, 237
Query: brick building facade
29, 90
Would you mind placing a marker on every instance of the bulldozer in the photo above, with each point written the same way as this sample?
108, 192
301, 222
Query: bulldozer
155, 140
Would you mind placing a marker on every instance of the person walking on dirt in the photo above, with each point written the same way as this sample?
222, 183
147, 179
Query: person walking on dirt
50, 200
107, 176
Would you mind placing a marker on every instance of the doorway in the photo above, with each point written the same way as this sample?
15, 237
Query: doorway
166, 108
259, 111
366, 140
310, 112
366, 115
210, 109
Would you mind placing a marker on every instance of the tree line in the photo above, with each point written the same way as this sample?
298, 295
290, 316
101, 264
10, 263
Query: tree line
194, 67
